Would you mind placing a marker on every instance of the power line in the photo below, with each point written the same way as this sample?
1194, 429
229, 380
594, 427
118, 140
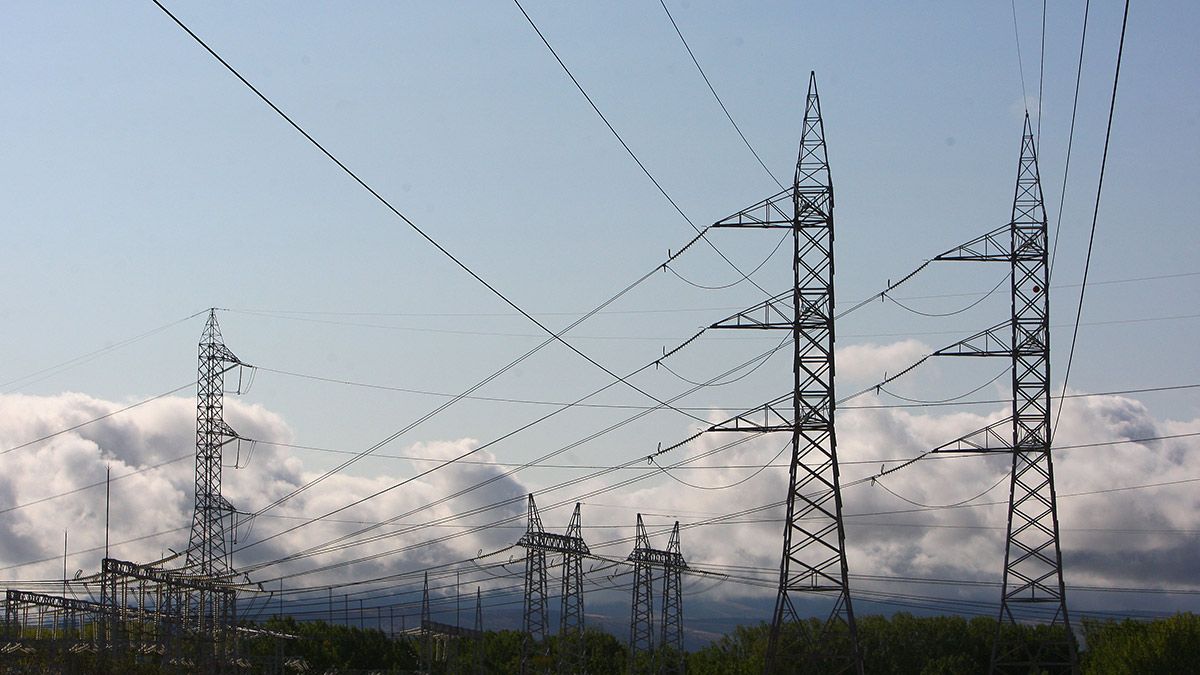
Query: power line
1112, 106
84, 358
629, 150
717, 96
96, 419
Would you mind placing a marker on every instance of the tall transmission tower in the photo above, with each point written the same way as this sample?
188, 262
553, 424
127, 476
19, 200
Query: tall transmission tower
1033, 588
814, 551
533, 625
672, 607
426, 629
210, 547
641, 622
646, 559
478, 643
537, 543
571, 656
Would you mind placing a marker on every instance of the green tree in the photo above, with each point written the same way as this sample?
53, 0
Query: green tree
1170, 645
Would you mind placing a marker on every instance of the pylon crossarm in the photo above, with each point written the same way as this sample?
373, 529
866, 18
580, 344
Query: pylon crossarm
770, 417
774, 313
994, 341
995, 437
776, 211
995, 246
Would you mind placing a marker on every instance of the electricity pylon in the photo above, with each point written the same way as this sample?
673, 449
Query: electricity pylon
641, 622
671, 641
426, 629
646, 559
480, 648
1033, 588
537, 543
814, 550
210, 547
571, 656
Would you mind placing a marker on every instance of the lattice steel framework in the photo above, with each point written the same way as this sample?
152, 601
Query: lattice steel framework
671, 636
538, 543
478, 643
814, 552
1033, 578
534, 621
426, 630
641, 622
210, 548
645, 558
571, 656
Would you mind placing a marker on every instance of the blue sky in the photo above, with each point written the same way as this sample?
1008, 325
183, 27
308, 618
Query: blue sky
141, 183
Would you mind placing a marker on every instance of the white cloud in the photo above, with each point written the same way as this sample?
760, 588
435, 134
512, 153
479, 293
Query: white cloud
1142, 537
871, 360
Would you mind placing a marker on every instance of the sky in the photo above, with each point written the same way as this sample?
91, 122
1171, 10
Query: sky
142, 184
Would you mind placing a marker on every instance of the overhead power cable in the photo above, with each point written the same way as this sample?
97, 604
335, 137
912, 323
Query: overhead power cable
488, 444
1062, 197
1020, 61
475, 387
84, 358
93, 420
985, 296
1087, 263
718, 96
1041, 74
553, 336
629, 150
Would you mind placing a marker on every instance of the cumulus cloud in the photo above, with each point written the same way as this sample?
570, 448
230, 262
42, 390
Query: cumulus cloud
1144, 537
871, 360
150, 450
945, 517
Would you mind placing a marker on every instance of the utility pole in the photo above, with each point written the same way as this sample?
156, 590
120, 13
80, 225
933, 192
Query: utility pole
814, 536
1033, 575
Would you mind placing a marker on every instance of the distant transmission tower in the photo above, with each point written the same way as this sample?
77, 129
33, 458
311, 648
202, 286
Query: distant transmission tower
426, 629
478, 642
645, 559
210, 548
537, 543
533, 625
672, 607
641, 621
1033, 590
814, 551
571, 656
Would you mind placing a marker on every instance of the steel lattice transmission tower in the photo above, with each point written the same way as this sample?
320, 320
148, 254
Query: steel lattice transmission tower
1033, 590
571, 656
210, 547
533, 624
641, 622
426, 629
478, 642
646, 559
537, 543
671, 642
814, 551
